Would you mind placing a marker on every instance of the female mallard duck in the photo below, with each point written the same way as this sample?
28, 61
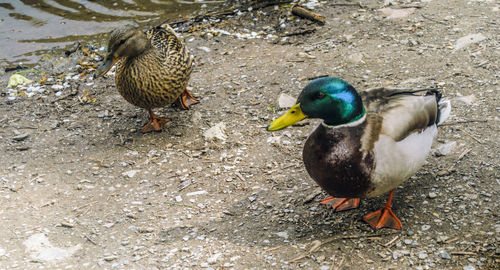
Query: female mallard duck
154, 69
369, 142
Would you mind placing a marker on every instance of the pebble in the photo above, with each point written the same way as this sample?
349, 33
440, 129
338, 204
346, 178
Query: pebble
445, 255
469, 267
422, 255
130, 173
286, 101
110, 258
432, 195
21, 137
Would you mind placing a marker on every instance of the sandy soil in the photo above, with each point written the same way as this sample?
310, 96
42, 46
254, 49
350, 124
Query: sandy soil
82, 187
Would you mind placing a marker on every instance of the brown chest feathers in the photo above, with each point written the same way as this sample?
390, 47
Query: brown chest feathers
333, 159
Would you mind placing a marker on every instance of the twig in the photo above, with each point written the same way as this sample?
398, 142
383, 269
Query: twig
73, 49
298, 33
473, 137
273, 248
465, 152
307, 14
482, 63
90, 239
388, 244
463, 253
431, 19
465, 121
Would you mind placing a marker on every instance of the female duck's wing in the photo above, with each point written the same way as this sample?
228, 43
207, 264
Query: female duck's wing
171, 47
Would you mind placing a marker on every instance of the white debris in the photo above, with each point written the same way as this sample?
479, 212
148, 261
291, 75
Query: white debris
57, 87
130, 173
274, 139
286, 101
194, 193
468, 40
469, 100
445, 149
205, 49
178, 198
283, 234
2, 252
216, 132
18, 79
355, 58
392, 13
40, 248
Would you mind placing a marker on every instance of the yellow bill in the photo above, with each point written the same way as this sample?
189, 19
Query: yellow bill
109, 62
291, 117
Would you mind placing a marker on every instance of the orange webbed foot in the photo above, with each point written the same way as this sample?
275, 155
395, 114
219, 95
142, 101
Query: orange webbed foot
155, 124
384, 218
185, 100
341, 204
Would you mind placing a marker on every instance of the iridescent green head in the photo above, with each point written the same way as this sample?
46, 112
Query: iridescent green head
331, 99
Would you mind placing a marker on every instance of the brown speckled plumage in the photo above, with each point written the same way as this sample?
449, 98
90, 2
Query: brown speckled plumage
157, 76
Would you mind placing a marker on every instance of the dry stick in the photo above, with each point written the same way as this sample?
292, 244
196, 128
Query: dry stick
473, 137
463, 253
273, 248
431, 19
304, 13
464, 122
391, 242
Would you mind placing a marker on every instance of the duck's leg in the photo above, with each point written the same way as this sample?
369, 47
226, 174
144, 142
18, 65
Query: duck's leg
384, 218
185, 100
341, 204
155, 123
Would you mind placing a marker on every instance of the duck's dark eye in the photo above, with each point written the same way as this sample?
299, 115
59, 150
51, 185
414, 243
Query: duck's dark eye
320, 95
122, 41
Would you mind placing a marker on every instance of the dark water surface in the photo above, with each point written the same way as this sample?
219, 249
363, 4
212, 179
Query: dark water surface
28, 28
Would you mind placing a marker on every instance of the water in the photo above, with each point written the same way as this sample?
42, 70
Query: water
29, 28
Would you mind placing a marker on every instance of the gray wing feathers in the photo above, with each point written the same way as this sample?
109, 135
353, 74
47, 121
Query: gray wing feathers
399, 112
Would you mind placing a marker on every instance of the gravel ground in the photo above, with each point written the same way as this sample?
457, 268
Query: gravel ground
82, 187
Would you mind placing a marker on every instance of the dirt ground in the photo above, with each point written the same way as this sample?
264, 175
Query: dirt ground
82, 188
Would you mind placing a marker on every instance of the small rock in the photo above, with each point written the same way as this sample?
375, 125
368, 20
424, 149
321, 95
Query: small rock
110, 258
205, 49
469, 267
468, 40
286, 101
282, 234
216, 132
422, 255
432, 195
146, 230
21, 137
130, 173
445, 255
251, 199
355, 58
391, 13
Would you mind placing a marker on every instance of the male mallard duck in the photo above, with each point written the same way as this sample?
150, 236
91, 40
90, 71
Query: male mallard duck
369, 142
154, 69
